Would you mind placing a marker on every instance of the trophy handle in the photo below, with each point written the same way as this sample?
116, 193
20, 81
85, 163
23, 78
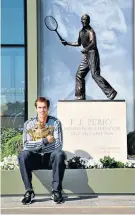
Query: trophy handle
51, 130
30, 132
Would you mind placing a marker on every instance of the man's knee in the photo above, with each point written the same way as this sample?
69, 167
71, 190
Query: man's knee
95, 74
59, 156
81, 73
24, 155
78, 76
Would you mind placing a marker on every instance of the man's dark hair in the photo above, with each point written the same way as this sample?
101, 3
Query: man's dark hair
88, 17
42, 99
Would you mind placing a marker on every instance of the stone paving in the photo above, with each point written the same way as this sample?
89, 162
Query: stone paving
121, 204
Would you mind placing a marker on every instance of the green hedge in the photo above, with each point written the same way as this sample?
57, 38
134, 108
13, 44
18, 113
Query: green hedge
11, 138
109, 162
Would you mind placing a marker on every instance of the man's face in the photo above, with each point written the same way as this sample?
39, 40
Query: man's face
42, 109
85, 21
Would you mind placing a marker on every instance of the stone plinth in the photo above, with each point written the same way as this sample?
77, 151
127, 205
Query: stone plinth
94, 128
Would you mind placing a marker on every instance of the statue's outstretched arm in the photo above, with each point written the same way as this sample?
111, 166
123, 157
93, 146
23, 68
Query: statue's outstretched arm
78, 43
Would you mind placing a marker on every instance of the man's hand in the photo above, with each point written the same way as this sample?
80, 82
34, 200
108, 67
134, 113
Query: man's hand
84, 51
64, 42
50, 138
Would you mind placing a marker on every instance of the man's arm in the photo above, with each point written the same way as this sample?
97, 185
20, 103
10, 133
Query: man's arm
78, 43
92, 42
58, 135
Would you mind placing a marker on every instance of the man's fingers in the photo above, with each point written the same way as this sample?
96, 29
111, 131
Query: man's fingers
50, 138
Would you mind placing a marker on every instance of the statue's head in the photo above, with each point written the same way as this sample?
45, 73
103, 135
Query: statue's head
85, 20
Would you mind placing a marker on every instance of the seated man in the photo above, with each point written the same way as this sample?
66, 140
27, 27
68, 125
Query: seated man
42, 153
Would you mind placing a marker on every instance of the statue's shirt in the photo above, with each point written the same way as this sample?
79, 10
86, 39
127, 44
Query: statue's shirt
84, 37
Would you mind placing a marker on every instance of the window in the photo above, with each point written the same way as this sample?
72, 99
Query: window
13, 64
12, 22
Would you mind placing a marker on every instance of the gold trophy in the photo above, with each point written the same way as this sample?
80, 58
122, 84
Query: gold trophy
40, 131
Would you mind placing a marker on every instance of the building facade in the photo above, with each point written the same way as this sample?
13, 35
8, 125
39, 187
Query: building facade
28, 49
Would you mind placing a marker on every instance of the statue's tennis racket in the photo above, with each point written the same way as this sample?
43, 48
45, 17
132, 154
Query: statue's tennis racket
52, 25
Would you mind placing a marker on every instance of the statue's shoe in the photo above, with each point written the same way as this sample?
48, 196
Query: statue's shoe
113, 95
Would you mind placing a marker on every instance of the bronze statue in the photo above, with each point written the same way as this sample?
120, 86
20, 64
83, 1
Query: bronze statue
91, 61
